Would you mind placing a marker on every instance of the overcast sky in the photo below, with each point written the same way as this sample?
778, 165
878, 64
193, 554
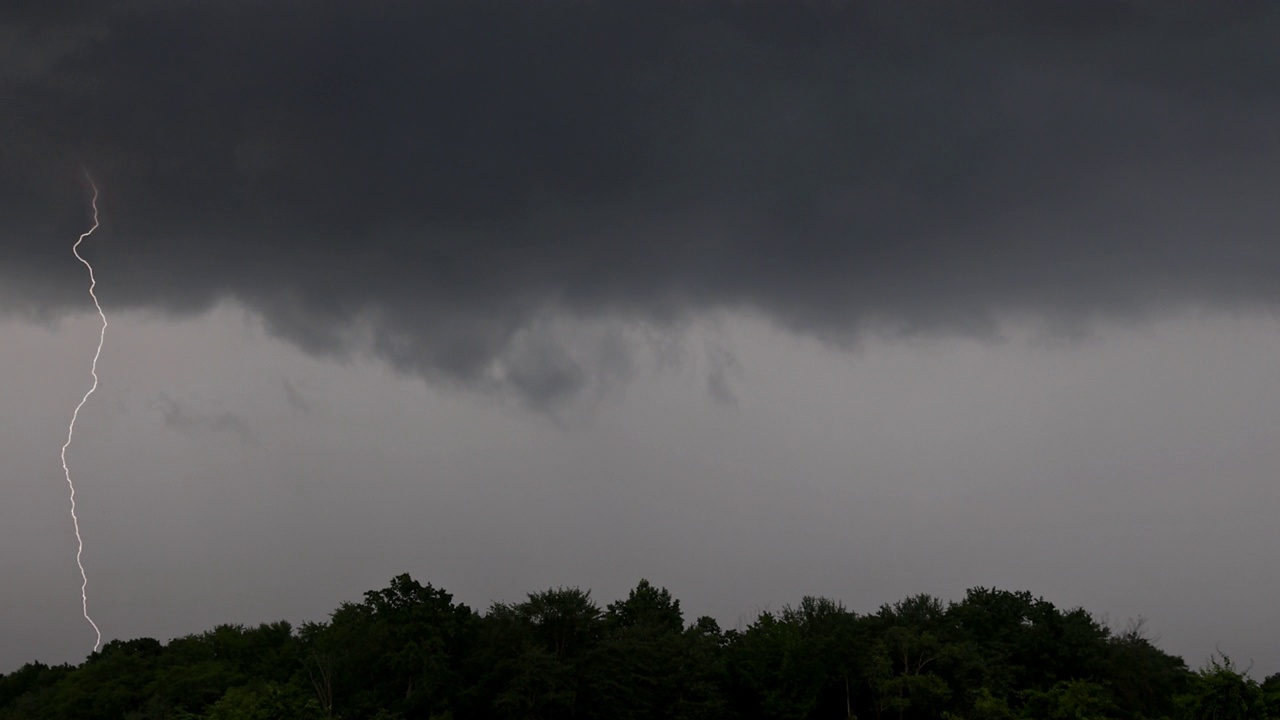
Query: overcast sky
753, 299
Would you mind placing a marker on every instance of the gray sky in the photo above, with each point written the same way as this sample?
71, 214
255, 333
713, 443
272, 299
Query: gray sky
753, 299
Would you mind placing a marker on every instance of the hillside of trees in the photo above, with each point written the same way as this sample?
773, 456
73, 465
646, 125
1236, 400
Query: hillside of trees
408, 651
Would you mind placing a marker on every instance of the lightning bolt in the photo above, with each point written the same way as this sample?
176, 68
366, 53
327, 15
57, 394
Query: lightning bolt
71, 429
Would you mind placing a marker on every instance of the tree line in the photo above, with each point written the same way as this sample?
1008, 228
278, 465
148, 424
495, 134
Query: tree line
408, 651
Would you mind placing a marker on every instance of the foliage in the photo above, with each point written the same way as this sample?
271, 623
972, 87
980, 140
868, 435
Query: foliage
1220, 692
408, 652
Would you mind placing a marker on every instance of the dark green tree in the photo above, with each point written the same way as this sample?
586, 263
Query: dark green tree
539, 652
1221, 692
399, 650
269, 701
773, 673
1070, 700
1144, 680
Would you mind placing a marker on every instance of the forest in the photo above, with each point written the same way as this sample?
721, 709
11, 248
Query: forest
408, 651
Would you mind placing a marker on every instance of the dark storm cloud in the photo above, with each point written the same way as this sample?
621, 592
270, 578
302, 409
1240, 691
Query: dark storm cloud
433, 181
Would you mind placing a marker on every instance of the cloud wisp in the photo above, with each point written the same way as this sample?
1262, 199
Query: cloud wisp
183, 420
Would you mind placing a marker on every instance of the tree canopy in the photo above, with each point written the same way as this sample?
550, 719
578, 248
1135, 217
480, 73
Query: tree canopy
409, 651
